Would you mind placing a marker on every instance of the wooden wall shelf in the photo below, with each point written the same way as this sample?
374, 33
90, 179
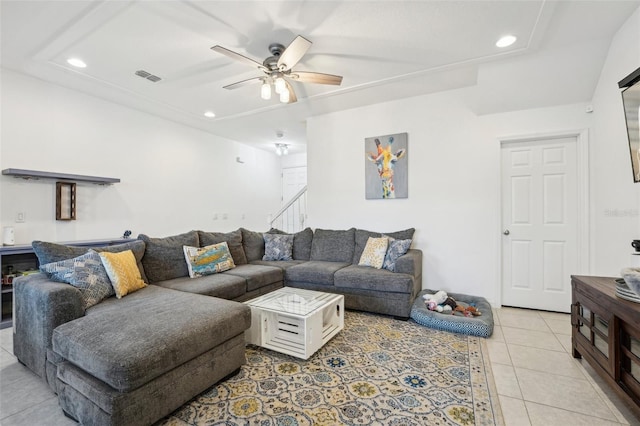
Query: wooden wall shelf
35, 174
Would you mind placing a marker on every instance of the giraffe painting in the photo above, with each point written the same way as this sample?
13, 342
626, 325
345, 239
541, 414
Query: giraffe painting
391, 178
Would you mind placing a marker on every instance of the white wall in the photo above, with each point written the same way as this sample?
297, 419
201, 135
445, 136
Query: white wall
174, 178
294, 160
454, 175
616, 198
454, 180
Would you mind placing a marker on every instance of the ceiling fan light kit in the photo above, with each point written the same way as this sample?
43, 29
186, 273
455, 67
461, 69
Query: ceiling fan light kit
265, 91
282, 149
278, 70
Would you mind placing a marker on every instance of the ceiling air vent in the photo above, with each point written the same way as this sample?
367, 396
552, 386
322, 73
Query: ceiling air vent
148, 76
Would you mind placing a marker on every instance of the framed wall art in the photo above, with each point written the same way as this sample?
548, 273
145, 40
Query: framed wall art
386, 167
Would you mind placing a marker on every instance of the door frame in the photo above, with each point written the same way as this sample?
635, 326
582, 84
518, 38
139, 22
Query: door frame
583, 203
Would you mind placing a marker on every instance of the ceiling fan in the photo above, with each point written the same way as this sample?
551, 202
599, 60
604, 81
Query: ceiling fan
278, 70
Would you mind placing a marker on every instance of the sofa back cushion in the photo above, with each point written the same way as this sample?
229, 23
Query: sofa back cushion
164, 258
301, 243
52, 252
233, 240
333, 246
253, 244
362, 236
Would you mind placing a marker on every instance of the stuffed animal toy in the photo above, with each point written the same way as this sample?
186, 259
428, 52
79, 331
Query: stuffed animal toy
472, 311
466, 310
435, 302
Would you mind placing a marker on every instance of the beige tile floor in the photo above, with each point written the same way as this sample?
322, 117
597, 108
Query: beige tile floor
538, 381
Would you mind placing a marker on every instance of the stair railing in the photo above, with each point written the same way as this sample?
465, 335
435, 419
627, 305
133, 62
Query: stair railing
292, 216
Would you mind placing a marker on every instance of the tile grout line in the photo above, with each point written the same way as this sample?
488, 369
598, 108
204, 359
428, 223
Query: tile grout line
518, 382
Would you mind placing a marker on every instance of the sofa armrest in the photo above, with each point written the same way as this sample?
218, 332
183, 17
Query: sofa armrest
40, 305
410, 263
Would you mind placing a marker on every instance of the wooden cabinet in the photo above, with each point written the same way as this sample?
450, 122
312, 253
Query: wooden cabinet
14, 260
606, 332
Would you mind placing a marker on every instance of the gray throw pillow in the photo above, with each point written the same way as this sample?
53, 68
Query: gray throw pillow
333, 246
253, 244
301, 243
164, 257
233, 240
52, 252
84, 272
396, 249
278, 247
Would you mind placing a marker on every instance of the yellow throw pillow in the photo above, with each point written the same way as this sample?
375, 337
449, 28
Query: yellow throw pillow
374, 252
123, 272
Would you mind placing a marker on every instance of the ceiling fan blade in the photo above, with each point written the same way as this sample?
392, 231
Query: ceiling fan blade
238, 57
292, 95
316, 77
293, 53
243, 83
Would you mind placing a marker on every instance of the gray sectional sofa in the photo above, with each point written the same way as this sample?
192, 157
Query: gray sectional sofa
135, 360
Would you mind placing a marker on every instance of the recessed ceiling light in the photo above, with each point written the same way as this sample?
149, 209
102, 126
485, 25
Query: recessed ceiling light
209, 114
507, 40
76, 62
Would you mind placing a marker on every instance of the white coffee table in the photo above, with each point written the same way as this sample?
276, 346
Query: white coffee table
295, 321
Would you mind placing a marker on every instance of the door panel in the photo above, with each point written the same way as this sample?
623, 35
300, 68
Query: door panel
539, 209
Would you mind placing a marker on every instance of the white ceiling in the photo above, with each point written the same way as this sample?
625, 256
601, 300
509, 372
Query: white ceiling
384, 49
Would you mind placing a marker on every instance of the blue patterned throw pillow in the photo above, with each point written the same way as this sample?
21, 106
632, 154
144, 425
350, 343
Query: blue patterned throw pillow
208, 260
278, 247
85, 273
396, 249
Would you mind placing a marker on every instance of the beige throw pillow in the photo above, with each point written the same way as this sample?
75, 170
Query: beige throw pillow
374, 252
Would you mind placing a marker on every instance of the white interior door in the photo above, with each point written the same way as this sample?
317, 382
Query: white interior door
293, 180
540, 223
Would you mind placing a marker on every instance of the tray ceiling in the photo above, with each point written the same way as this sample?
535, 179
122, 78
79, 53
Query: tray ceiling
385, 50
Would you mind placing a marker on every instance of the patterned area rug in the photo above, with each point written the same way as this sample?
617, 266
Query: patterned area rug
376, 371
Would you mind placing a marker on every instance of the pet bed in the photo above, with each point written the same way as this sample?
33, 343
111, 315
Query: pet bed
481, 326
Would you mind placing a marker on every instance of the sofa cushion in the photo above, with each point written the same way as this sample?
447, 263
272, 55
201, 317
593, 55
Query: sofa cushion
233, 239
362, 236
52, 252
301, 243
123, 273
257, 276
282, 264
278, 247
366, 278
164, 257
217, 285
253, 244
142, 336
208, 260
84, 272
314, 271
333, 246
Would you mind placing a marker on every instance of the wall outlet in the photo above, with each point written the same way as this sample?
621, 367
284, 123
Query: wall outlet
21, 217
215, 216
225, 216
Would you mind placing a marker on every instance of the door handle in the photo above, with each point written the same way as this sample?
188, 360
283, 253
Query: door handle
506, 232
